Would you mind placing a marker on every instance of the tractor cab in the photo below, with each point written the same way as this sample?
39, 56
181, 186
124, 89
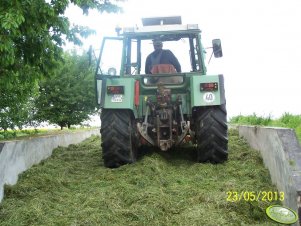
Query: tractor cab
126, 54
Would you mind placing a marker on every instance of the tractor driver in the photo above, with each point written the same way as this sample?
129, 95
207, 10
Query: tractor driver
160, 56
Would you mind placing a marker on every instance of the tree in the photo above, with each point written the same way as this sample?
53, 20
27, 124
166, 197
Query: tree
32, 33
16, 101
68, 97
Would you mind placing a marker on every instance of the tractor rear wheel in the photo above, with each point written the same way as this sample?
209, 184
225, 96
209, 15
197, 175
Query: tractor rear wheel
118, 135
212, 134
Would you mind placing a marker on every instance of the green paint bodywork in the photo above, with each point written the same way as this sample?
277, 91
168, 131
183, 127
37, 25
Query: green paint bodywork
198, 98
128, 97
189, 93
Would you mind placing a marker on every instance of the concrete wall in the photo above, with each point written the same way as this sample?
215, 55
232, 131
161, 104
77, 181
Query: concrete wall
18, 156
281, 154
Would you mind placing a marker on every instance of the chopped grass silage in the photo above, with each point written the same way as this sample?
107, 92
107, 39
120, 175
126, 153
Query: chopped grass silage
72, 187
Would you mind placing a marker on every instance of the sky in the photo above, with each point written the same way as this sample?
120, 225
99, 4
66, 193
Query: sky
261, 41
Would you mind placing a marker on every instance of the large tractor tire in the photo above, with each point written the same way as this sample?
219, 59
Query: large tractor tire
212, 134
119, 137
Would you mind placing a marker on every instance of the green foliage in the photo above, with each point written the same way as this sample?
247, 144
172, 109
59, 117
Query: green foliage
32, 33
30, 133
286, 120
68, 97
291, 121
11, 134
16, 101
251, 120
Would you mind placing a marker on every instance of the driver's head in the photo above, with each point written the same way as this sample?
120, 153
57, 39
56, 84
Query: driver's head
157, 44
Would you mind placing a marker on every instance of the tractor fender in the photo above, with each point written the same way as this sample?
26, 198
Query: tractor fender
207, 96
119, 93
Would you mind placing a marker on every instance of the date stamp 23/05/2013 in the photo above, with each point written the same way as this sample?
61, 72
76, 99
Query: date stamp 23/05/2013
251, 196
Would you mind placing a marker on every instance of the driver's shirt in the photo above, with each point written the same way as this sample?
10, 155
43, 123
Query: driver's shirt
161, 57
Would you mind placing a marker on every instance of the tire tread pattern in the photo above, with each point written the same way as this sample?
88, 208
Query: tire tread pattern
117, 132
212, 134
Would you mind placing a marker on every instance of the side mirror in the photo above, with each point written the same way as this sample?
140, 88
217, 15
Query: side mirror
217, 48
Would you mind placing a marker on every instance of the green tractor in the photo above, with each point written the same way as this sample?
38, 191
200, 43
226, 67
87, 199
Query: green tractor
165, 108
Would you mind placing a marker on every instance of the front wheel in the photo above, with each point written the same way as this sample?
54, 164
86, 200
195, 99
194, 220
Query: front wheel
212, 134
118, 135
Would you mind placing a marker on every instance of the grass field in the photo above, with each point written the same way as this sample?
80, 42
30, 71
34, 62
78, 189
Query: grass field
12, 134
25, 133
72, 187
286, 120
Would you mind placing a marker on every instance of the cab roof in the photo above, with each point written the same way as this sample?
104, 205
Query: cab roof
154, 26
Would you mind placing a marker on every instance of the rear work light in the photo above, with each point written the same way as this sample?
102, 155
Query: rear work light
115, 89
210, 86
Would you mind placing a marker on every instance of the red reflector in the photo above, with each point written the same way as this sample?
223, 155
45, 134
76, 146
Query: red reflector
211, 86
137, 93
115, 89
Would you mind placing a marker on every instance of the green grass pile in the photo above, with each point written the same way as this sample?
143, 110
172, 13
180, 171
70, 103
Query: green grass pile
72, 187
